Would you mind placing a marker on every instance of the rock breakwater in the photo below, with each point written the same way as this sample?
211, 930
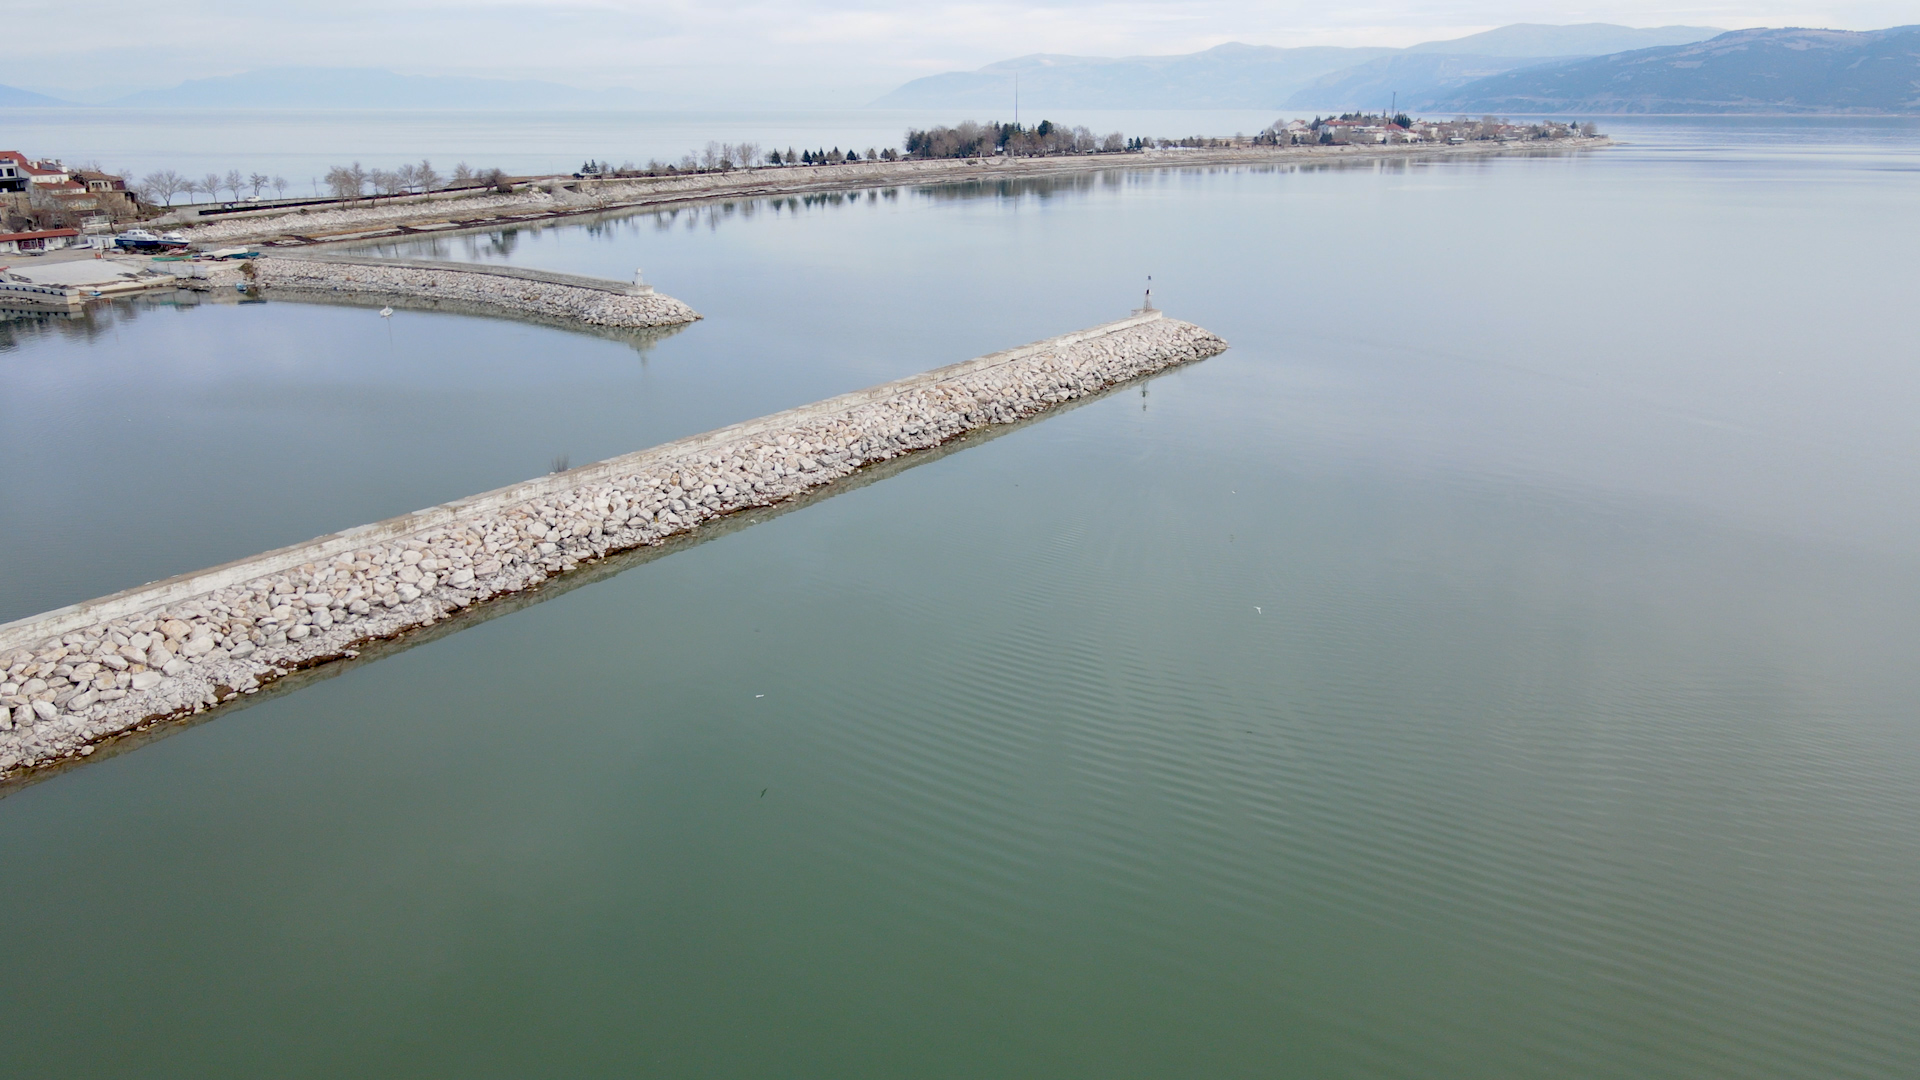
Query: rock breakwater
561, 297
75, 678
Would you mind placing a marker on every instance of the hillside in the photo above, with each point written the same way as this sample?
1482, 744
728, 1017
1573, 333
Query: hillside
1230, 76
1579, 39
14, 97
1746, 71
1416, 79
1237, 76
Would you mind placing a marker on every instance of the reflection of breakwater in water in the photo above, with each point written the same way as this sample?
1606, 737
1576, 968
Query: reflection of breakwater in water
91, 322
103, 318
81, 675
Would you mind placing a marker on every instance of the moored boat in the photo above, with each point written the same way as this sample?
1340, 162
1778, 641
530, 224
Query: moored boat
144, 240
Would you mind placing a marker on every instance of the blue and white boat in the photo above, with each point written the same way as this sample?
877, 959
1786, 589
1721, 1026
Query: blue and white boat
143, 240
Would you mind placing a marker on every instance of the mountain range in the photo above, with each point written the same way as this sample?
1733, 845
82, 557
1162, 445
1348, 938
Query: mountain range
1746, 71
1263, 77
14, 97
1592, 69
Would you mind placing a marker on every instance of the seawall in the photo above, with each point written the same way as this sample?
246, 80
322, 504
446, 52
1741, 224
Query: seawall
93, 672
566, 298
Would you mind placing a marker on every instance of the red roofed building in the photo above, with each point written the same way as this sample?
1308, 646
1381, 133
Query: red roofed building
42, 240
45, 173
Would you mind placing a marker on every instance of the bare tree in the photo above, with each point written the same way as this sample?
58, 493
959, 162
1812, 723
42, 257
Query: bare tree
712, 156
210, 185
233, 182
384, 182
424, 175
258, 181
280, 186
347, 182
164, 185
461, 175
404, 178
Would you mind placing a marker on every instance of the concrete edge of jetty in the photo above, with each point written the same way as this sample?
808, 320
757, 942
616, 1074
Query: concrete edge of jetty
563, 298
438, 214
80, 676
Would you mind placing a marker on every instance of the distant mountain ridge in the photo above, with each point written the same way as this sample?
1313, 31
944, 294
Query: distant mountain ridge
13, 96
1262, 77
1745, 71
370, 88
1224, 77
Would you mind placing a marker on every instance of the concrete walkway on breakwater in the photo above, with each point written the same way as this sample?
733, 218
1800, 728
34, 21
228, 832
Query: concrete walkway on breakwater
555, 198
74, 679
468, 287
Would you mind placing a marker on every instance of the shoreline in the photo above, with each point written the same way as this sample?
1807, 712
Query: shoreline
554, 198
80, 676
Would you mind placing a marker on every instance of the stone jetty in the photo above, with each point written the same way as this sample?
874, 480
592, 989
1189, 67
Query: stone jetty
566, 298
73, 679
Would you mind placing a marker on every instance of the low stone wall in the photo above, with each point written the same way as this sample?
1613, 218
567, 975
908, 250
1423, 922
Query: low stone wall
555, 296
82, 675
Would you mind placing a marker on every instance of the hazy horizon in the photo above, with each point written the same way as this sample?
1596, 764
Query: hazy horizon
823, 53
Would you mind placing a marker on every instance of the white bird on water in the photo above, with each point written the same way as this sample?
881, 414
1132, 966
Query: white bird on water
386, 313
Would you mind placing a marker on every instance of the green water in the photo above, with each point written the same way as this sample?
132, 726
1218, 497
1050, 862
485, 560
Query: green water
1499, 664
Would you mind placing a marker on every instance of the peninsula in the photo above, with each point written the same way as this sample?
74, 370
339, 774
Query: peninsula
536, 199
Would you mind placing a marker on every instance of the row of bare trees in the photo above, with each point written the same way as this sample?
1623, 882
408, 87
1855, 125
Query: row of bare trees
164, 185
353, 181
343, 181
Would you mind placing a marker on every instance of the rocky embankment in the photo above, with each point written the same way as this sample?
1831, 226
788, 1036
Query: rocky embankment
561, 297
75, 678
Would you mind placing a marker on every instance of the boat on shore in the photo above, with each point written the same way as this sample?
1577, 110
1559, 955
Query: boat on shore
145, 240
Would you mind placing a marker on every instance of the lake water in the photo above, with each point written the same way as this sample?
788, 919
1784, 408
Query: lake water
1499, 663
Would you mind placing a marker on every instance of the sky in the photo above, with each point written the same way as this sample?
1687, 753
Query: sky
755, 53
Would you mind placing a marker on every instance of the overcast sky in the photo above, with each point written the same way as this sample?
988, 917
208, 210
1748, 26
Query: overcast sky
762, 54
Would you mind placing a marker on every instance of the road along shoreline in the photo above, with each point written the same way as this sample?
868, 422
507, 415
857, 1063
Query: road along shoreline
564, 298
549, 199
80, 676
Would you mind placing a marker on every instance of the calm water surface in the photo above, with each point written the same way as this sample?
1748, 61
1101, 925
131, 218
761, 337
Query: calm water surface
1500, 663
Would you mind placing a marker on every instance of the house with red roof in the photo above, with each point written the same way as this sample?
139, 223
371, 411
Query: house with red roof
21, 243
